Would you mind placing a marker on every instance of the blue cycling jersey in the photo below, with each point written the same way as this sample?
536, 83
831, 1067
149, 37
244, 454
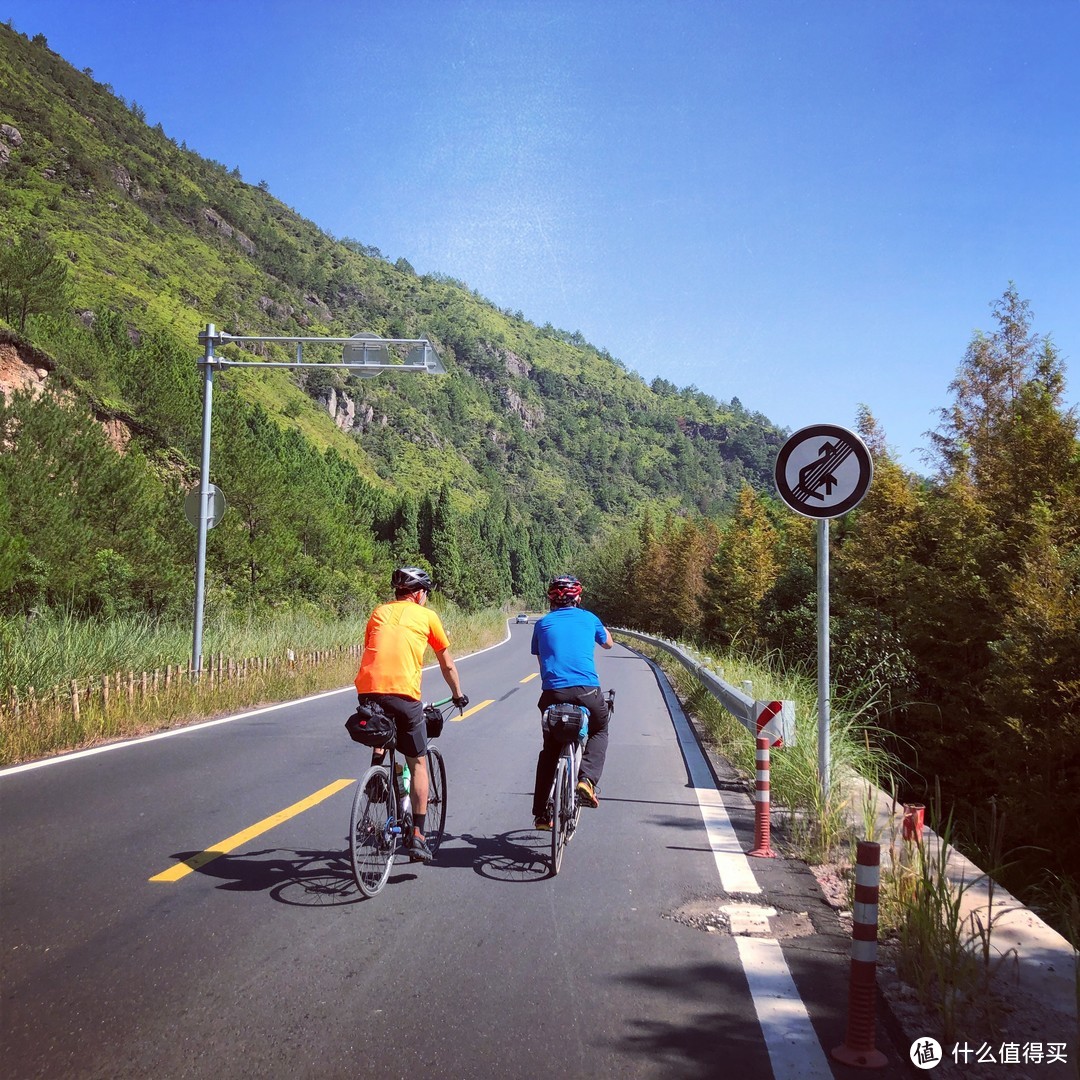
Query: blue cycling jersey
565, 639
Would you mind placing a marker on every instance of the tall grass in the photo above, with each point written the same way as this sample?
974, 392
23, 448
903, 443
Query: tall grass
55, 649
945, 944
817, 820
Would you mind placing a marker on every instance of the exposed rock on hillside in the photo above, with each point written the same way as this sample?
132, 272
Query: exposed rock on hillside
17, 373
24, 368
9, 137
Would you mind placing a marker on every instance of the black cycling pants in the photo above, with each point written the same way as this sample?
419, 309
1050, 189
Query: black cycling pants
408, 714
592, 760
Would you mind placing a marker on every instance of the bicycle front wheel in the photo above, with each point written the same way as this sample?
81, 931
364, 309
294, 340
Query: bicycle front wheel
371, 840
559, 810
436, 800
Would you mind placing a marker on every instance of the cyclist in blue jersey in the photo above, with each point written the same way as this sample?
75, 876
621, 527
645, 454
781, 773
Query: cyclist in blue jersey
564, 641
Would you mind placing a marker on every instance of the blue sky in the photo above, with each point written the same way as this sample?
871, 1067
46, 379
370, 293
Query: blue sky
805, 205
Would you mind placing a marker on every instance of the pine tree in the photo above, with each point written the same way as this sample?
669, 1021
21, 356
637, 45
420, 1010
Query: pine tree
746, 566
691, 548
871, 576
32, 280
446, 561
12, 545
406, 542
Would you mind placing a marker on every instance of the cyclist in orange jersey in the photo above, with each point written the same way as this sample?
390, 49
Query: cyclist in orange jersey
390, 672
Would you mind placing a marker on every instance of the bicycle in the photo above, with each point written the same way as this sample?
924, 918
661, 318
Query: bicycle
382, 816
563, 801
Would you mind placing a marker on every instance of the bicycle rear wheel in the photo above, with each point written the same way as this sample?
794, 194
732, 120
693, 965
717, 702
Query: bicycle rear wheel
558, 815
436, 801
371, 842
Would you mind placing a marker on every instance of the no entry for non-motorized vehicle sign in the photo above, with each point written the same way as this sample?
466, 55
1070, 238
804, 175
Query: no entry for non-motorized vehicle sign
823, 471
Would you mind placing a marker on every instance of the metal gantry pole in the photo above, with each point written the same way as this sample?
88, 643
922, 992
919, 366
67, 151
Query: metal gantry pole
823, 655
364, 354
204, 499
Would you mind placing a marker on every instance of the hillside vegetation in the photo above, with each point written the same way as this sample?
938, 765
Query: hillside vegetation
496, 474
955, 601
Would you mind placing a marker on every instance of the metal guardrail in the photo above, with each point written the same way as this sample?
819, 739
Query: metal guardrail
735, 701
775, 719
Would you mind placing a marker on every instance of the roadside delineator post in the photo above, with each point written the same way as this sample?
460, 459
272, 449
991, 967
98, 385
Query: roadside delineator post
858, 1047
762, 803
914, 819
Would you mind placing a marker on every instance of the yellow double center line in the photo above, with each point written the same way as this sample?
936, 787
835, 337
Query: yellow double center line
474, 709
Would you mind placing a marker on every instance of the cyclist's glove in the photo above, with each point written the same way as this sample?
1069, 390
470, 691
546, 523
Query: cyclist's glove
460, 702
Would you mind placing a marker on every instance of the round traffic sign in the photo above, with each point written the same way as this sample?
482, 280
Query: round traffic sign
215, 505
368, 349
823, 471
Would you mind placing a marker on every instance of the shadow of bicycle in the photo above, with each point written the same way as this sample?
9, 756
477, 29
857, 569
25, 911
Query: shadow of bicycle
298, 878
519, 856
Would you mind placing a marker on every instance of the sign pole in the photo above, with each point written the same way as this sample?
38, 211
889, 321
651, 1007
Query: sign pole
204, 500
822, 472
823, 656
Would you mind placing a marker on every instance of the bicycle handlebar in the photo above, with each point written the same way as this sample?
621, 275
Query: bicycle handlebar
440, 704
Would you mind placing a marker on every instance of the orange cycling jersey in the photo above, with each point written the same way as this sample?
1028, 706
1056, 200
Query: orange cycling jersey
394, 642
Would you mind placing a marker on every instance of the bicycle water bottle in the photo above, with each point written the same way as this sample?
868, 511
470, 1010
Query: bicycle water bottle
403, 778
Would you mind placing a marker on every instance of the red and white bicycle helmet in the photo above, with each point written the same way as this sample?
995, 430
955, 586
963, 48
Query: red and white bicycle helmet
564, 591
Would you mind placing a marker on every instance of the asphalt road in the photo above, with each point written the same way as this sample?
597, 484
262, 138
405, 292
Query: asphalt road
266, 961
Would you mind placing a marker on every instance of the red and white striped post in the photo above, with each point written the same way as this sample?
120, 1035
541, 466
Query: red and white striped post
762, 800
858, 1046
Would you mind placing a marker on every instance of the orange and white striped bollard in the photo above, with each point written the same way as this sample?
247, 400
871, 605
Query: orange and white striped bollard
858, 1047
762, 801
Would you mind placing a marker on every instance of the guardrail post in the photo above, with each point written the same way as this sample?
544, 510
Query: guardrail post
858, 1047
762, 801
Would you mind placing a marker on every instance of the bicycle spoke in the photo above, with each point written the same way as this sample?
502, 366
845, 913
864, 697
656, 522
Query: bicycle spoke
436, 806
371, 842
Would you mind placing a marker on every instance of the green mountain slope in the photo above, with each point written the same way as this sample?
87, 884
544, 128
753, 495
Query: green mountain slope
534, 428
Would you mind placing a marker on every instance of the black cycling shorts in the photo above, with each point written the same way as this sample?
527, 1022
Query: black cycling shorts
409, 717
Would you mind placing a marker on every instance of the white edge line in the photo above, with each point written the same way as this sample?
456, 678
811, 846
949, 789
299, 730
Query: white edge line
736, 875
795, 1052
187, 728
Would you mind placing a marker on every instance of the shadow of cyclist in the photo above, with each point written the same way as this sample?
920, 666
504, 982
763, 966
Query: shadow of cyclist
519, 856
299, 878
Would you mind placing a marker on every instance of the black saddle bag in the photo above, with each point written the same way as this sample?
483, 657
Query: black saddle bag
566, 723
370, 726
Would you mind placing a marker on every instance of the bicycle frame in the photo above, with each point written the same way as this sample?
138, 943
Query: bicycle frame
563, 797
381, 817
